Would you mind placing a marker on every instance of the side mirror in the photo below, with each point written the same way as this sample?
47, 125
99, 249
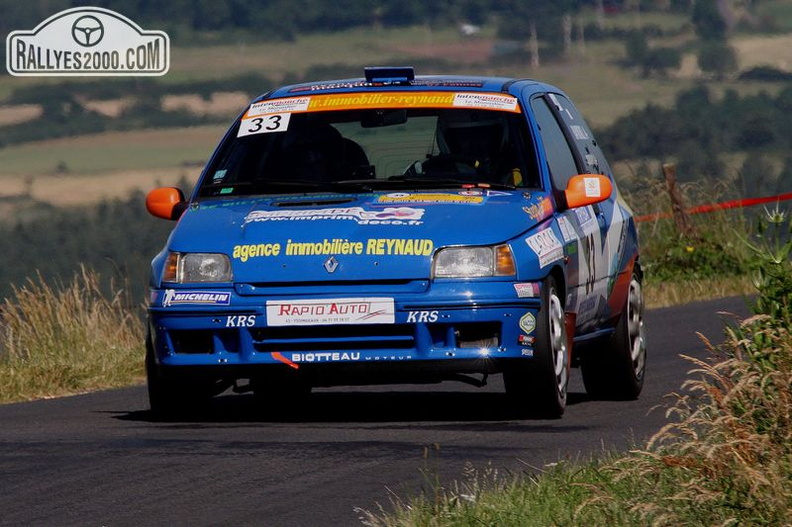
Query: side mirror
587, 189
167, 203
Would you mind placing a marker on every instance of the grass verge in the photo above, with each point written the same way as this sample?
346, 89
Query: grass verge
67, 339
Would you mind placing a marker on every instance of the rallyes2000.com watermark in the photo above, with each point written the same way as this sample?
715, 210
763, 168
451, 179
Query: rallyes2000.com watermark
87, 41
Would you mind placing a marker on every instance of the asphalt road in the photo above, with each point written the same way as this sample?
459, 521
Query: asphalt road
102, 460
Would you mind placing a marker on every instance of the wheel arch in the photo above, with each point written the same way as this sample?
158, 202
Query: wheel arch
558, 274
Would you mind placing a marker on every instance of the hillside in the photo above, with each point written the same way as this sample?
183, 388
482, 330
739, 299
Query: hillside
134, 135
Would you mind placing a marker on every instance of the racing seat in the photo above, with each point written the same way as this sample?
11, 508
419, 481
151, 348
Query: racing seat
313, 152
355, 163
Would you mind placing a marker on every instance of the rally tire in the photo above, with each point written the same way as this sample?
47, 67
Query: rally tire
538, 387
614, 369
171, 397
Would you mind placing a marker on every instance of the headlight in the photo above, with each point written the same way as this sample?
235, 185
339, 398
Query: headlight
185, 268
473, 262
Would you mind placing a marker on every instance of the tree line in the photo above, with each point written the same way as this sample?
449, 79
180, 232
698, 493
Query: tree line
700, 129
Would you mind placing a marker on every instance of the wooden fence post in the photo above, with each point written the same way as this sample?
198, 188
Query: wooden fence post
681, 218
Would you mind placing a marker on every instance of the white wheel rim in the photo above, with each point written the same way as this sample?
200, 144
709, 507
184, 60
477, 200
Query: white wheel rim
558, 342
635, 328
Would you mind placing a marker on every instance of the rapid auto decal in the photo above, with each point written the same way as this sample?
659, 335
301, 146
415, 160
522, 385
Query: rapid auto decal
213, 298
336, 246
330, 311
387, 216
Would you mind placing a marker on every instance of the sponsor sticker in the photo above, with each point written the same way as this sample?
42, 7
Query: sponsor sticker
211, 298
289, 105
336, 247
527, 290
584, 215
567, 231
539, 211
591, 187
546, 246
491, 101
326, 356
87, 41
528, 323
240, 321
579, 132
321, 312
395, 99
526, 340
422, 317
463, 198
361, 216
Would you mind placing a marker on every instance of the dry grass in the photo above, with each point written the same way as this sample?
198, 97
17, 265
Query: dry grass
67, 339
726, 457
666, 294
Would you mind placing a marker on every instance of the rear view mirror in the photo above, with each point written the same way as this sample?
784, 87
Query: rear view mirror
587, 189
167, 203
377, 118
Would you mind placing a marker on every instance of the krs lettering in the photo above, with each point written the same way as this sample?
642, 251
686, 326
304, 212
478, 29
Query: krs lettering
240, 321
421, 317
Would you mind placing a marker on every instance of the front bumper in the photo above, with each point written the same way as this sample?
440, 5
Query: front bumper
457, 327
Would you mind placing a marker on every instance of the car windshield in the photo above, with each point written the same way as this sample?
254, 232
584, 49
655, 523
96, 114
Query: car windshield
363, 150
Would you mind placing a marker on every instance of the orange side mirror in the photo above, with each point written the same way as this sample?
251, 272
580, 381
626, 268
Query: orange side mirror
166, 203
587, 189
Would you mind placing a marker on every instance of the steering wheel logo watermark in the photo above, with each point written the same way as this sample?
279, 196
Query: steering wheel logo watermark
87, 41
87, 31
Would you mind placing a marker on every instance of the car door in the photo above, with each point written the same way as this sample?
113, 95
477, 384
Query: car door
592, 234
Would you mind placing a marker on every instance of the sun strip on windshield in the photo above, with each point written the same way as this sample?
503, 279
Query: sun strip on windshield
385, 100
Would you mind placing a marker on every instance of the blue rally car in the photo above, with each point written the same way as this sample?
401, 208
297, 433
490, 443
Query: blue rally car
399, 229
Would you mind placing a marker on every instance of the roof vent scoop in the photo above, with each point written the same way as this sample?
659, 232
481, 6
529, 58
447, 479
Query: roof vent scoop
390, 75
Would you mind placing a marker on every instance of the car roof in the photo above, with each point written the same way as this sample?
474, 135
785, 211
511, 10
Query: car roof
391, 79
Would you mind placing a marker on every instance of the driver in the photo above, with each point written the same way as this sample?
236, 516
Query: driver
473, 142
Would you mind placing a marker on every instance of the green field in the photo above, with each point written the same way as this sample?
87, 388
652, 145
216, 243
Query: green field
113, 151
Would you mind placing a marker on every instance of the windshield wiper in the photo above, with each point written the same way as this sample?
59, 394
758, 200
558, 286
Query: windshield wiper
280, 186
262, 186
352, 185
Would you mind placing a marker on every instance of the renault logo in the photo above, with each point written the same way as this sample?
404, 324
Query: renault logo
331, 264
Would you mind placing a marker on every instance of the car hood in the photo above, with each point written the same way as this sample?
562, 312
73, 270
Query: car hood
377, 236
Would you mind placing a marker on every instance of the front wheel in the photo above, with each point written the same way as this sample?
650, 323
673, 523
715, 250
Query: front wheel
538, 387
614, 369
170, 396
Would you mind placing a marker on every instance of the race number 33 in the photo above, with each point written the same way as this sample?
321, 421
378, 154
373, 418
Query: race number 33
264, 124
